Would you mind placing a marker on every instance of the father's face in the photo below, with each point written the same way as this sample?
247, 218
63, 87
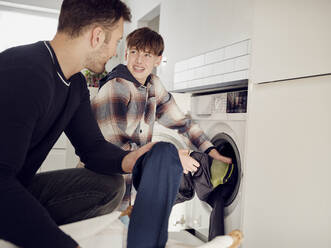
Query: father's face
97, 60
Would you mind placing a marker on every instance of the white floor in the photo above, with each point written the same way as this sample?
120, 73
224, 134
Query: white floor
100, 232
108, 230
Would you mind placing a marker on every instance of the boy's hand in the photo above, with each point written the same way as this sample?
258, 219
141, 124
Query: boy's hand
216, 155
189, 164
130, 159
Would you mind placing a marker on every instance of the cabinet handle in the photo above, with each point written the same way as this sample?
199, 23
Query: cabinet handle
197, 222
181, 221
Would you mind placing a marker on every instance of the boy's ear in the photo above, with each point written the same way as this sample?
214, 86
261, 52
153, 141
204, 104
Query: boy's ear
158, 61
98, 36
126, 54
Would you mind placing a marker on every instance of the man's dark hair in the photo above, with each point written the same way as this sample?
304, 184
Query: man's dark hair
145, 39
76, 15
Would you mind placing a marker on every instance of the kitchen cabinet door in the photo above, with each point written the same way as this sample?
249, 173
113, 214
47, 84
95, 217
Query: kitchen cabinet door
56, 159
291, 39
287, 182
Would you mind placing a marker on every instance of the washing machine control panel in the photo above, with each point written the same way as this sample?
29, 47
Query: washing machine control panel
236, 102
220, 103
227, 102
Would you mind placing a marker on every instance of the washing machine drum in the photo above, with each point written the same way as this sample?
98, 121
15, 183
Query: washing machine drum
227, 147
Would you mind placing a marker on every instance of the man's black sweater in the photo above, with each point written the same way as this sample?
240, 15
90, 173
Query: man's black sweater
37, 104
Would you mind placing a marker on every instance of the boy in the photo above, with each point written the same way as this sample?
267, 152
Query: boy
128, 103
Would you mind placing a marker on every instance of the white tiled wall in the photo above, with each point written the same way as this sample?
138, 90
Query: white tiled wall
226, 64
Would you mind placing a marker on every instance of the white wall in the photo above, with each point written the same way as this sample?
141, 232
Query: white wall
154, 24
29, 29
189, 27
51, 4
192, 27
139, 11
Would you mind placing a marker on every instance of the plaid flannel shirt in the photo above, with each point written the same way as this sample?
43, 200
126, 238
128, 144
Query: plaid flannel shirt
126, 111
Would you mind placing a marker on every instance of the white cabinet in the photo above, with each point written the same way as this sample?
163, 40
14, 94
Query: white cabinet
178, 218
198, 214
287, 183
290, 39
61, 156
56, 159
190, 214
71, 158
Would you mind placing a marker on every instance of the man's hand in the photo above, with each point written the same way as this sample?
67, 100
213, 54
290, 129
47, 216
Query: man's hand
216, 155
131, 158
189, 164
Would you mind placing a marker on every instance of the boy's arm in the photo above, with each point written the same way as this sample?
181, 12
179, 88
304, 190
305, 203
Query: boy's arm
169, 115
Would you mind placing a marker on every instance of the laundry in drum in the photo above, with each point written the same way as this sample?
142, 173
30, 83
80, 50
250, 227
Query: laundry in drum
220, 172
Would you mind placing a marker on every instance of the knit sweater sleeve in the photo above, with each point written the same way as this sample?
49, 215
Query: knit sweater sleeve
95, 152
23, 220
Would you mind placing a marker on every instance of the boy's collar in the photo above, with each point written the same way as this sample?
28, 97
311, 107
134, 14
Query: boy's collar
122, 71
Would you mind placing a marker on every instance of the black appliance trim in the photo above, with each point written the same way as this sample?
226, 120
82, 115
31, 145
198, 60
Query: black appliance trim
218, 86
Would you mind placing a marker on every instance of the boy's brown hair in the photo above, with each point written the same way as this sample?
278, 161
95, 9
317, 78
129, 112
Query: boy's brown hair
145, 39
76, 15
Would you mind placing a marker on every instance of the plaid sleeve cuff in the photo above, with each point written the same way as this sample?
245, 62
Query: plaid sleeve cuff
210, 148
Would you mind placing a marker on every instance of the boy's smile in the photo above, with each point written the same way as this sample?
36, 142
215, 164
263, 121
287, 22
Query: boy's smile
138, 69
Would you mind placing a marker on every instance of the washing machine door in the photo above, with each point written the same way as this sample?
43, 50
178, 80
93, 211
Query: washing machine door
227, 147
201, 210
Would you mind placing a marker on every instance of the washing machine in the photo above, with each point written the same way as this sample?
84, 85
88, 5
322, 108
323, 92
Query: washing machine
221, 113
222, 116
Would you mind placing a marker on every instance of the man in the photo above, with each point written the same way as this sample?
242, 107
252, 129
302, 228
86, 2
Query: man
128, 103
42, 94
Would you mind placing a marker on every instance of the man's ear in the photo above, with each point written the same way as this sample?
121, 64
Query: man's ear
158, 61
98, 36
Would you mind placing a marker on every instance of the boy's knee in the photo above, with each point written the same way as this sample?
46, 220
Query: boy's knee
164, 148
168, 153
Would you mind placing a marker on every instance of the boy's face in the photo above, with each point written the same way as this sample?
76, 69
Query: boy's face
141, 63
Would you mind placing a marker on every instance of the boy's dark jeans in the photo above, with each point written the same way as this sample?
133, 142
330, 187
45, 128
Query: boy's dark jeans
75, 194
156, 176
